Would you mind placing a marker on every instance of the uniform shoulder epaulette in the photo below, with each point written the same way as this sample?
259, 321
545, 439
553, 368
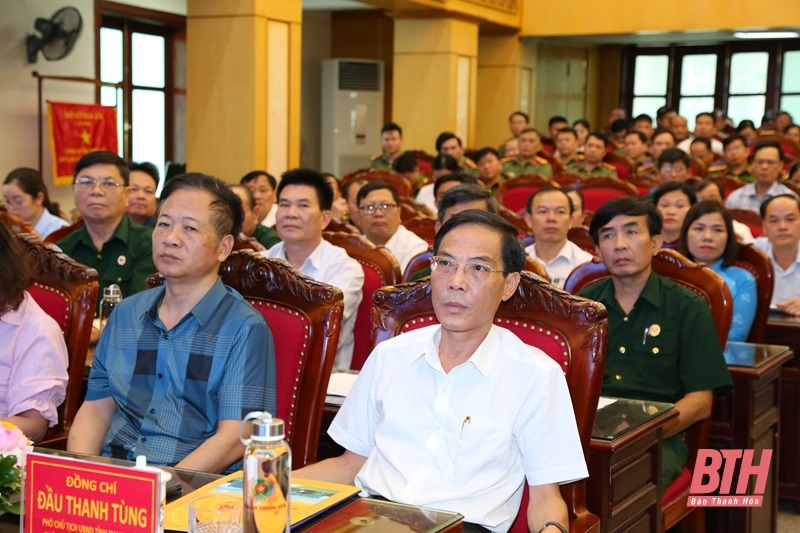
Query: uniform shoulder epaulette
609, 166
717, 168
507, 159
647, 164
375, 157
470, 163
541, 160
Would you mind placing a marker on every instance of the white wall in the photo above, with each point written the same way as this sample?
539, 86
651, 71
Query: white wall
19, 138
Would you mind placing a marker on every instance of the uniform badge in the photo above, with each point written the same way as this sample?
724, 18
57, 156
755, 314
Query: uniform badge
655, 330
121, 260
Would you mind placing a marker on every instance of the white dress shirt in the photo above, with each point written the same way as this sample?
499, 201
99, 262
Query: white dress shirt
463, 440
404, 245
787, 282
272, 217
330, 264
425, 197
48, 223
716, 146
746, 198
570, 256
743, 232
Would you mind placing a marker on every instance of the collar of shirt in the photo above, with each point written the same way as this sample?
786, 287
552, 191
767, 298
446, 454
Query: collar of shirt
14, 317
202, 311
483, 358
313, 263
764, 244
651, 292
565, 252
122, 232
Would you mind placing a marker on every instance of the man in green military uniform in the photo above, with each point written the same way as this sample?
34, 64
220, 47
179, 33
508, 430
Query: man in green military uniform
527, 162
736, 165
661, 345
490, 169
265, 235
119, 249
593, 165
567, 147
636, 148
392, 144
448, 143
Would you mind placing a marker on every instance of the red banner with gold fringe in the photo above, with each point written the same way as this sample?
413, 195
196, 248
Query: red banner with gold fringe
76, 130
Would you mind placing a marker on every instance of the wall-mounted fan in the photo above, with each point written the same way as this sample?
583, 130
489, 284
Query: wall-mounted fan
59, 34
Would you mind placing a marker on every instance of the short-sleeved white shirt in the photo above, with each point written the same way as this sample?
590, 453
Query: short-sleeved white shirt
558, 269
404, 245
787, 282
465, 440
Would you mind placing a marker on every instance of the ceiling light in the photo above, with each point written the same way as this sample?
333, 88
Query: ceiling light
766, 34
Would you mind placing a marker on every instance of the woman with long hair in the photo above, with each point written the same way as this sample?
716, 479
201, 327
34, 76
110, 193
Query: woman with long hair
25, 195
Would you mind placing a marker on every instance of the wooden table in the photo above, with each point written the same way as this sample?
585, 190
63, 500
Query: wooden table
748, 416
785, 329
624, 487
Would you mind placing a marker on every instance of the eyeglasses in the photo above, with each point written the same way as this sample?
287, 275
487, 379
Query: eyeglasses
371, 209
474, 271
17, 201
670, 168
107, 184
769, 162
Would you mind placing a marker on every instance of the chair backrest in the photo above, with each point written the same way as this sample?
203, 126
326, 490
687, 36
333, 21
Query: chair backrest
759, 265
697, 167
60, 233
728, 183
305, 317
515, 220
571, 330
568, 179
514, 193
643, 182
67, 291
749, 218
380, 269
401, 185
670, 264
248, 243
16, 224
599, 190
622, 164
342, 226
582, 238
418, 263
422, 227
418, 208
555, 163
424, 160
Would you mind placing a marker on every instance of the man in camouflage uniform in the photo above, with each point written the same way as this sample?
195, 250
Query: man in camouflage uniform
593, 165
392, 144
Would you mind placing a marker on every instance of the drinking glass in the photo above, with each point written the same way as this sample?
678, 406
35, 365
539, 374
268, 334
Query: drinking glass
216, 513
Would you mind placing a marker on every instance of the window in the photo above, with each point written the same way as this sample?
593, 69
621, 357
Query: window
650, 84
140, 54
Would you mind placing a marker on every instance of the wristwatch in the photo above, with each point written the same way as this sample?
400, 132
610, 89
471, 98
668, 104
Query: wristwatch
555, 524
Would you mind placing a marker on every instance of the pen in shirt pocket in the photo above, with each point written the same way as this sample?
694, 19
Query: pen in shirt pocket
467, 420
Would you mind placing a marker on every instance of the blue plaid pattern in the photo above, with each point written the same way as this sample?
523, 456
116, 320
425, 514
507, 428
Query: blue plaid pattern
172, 387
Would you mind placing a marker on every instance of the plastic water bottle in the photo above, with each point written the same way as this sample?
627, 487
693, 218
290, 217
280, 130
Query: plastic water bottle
111, 297
267, 475
163, 477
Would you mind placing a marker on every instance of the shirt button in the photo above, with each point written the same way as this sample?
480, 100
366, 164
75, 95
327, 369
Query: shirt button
119, 280
144, 439
166, 337
621, 349
99, 256
625, 319
655, 351
618, 377
152, 411
160, 375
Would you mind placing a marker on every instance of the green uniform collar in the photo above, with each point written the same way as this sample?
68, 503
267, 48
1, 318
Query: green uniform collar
122, 232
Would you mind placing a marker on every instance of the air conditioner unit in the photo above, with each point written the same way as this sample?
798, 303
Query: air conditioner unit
352, 114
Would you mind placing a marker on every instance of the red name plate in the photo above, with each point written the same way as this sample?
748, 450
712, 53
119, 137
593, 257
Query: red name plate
63, 494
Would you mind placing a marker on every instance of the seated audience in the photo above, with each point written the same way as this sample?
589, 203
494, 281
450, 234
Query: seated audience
527, 162
672, 166
664, 116
700, 150
25, 195
618, 130
781, 215
793, 175
679, 359
578, 213
705, 125
567, 147
735, 158
119, 249
391, 144
517, 122
592, 165
445, 183
707, 237
304, 203
555, 124
711, 190
265, 236
680, 128
644, 124
549, 216
390, 422
490, 169
263, 186
767, 168
636, 147
379, 205
792, 131
406, 165
448, 143
673, 201
142, 201
339, 206
350, 194
510, 149
443, 165
747, 129
782, 121
178, 366
33, 355
662, 140
582, 129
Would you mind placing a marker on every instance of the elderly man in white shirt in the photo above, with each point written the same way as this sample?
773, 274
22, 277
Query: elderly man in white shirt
379, 206
767, 167
304, 210
549, 216
781, 216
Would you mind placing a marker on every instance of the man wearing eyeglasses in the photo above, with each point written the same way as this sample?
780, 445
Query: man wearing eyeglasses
379, 207
119, 249
430, 420
767, 168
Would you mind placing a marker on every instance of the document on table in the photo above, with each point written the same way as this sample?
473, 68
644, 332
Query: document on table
605, 402
339, 387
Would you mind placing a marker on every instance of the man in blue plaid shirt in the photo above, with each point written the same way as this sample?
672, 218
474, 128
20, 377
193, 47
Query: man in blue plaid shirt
177, 367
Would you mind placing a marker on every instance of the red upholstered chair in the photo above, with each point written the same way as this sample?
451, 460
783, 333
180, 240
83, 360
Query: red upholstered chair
342, 226
643, 182
16, 224
397, 181
380, 269
67, 291
582, 238
749, 218
514, 193
60, 233
424, 160
728, 183
697, 167
571, 330
515, 220
422, 227
622, 164
708, 284
759, 265
417, 264
419, 209
249, 243
555, 164
304, 317
597, 191
568, 179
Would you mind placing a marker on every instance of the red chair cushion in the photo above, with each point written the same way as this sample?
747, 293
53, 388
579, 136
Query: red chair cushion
678, 487
53, 301
516, 198
361, 329
594, 198
290, 354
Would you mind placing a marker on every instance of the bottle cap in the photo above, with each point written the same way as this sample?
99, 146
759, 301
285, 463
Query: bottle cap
112, 291
267, 430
